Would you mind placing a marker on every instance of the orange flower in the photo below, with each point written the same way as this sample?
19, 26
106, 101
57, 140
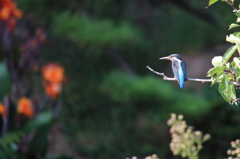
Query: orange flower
25, 107
2, 109
53, 73
53, 89
9, 12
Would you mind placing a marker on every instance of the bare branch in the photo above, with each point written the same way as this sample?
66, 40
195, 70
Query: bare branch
235, 101
237, 84
199, 80
161, 74
174, 79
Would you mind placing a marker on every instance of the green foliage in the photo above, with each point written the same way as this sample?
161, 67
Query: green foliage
227, 73
8, 147
5, 80
130, 89
42, 120
42, 124
229, 53
185, 141
43, 10
96, 33
150, 91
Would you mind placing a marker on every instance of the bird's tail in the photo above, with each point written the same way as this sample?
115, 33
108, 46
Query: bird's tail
181, 85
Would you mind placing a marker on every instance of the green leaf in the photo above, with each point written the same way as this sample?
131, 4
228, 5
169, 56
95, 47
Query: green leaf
228, 54
42, 123
211, 2
232, 92
215, 80
236, 34
39, 121
233, 25
39, 139
223, 86
217, 61
226, 89
218, 78
238, 77
5, 80
216, 70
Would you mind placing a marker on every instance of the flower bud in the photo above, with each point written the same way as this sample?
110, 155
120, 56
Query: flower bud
238, 155
180, 117
198, 133
229, 152
199, 147
170, 122
183, 154
206, 137
173, 116
233, 144
154, 156
237, 142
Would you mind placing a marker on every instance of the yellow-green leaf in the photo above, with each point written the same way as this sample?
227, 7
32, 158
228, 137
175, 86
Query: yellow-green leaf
228, 54
223, 89
218, 78
215, 70
232, 92
233, 25
211, 2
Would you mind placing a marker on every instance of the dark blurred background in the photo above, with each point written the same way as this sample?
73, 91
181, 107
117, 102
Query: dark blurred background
113, 106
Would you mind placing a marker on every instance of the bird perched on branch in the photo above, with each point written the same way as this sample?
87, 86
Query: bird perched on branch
178, 68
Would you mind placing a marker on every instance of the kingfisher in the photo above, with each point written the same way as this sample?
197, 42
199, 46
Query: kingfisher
178, 67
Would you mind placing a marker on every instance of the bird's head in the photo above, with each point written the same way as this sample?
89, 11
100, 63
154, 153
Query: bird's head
173, 57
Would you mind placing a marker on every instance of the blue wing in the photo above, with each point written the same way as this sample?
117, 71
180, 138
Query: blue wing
184, 69
180, 72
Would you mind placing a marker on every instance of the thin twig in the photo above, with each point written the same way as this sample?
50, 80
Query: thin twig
58, 108
161, 74
174, 79
235, 101
5, 117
